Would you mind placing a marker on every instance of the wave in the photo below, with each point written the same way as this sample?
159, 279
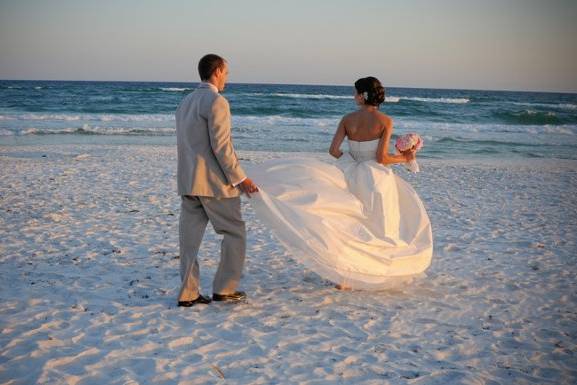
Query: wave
6, 132
90, 117
272, 121
268, 126
389, 99
255, 120
90, 130
114, 99
108, 123
425, 126
24, 88
561, 106
436, 100
294, 96
529, 117
459, 140
175, 89
242, 119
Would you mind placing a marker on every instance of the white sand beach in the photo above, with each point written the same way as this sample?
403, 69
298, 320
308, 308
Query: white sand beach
89, 267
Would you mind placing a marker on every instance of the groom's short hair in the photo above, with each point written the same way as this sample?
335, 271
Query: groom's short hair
208, 64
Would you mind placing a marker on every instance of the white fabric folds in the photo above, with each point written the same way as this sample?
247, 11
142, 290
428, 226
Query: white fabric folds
355, 223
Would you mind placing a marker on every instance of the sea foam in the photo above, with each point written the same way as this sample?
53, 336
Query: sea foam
90, 117
568, 129
175, 89
389, 99
437, 100
563, 106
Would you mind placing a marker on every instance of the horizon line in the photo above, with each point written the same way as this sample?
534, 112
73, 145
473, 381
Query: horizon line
289, 84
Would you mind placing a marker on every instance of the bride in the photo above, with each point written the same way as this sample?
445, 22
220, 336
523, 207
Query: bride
354, 222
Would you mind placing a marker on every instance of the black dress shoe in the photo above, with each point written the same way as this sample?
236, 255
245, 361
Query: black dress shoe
200, 299
234, 297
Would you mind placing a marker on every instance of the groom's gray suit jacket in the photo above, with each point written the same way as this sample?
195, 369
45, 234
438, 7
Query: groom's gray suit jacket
207, 163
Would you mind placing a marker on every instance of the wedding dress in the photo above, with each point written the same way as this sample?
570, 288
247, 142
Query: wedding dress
355, 222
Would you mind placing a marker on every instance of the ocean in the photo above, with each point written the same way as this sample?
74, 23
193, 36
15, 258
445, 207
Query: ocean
454, 123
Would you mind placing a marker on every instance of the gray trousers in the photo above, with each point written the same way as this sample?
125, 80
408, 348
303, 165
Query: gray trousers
225, 216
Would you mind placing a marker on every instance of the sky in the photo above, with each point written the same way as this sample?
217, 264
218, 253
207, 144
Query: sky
489, 44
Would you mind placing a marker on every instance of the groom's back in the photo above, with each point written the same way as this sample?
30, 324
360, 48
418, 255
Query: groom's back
198, 102
192, 117
198, 171
192, 121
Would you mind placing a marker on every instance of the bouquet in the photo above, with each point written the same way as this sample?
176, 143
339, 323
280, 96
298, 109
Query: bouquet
408, 142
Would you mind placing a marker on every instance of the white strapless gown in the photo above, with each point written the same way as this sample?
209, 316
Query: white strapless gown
355, 223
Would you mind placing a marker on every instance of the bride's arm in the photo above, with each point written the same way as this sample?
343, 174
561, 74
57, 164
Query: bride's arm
383, 155
335, 149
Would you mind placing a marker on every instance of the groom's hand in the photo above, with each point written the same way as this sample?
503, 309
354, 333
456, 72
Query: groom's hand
248, 187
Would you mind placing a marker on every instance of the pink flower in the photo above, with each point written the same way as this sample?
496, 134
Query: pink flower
406, 142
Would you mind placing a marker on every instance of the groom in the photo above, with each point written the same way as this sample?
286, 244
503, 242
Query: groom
210, 181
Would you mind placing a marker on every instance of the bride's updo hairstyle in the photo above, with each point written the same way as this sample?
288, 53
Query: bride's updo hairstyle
375, 93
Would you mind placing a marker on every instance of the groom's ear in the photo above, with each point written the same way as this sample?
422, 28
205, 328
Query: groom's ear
220, 69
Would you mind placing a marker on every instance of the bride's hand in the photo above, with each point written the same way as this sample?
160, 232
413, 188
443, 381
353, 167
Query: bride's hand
410, 155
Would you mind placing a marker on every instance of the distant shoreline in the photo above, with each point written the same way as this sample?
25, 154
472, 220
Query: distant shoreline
296, 84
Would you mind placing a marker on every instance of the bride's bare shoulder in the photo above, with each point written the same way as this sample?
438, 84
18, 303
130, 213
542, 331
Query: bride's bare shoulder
384, 118
351, 116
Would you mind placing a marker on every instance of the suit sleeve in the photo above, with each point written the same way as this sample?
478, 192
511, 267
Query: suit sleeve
221, 142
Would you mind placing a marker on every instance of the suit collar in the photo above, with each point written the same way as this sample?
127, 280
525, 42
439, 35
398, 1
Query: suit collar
208, 85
